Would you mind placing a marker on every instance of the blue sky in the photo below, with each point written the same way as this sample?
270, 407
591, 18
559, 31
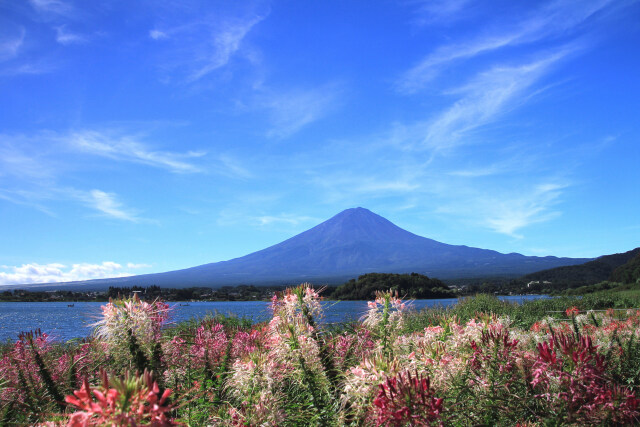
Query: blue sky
147, 136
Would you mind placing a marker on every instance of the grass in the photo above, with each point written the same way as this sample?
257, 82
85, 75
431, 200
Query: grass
526, 314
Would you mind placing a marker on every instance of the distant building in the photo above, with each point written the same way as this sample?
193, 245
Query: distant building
533, 282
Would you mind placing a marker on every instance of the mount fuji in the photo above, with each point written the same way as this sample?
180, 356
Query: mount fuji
354, 242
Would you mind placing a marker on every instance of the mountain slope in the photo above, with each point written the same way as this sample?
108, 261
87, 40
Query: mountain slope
353, 242
589, 273
629, 272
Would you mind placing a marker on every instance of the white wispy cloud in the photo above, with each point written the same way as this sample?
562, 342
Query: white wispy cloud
552, 20
58, 14
128, 148
10, 47
52, 7
19, 159
19, 198
225, 42
507, 211
478, 172
158, 35
452, 134
65, 37
195, 46
231, 167
381, 186
518, 187
355, 182
288, 219
485, 98
471, 195
292, 110
440, 11
108, 205
33, 169
55, 272
510, 160
509, 216
262, 217
32, 68
135, 266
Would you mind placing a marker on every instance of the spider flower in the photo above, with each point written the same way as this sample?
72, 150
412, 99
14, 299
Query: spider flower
131, 319
129, 400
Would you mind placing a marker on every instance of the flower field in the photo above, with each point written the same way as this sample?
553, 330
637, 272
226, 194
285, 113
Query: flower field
463, 366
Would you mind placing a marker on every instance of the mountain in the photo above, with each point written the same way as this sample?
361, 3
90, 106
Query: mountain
588, 273
629, 272
354, 242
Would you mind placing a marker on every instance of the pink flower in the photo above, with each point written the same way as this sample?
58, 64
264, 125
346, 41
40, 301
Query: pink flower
358, 372
433, 329
290, 299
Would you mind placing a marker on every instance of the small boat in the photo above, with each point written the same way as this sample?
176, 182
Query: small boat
70, 305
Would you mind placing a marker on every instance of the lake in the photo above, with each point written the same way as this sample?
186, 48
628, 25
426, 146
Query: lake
63, 323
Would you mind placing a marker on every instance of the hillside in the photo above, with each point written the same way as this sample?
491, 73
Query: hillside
629, 272
588, 273
412, 286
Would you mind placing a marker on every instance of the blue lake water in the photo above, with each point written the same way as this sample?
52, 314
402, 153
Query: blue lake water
63, 323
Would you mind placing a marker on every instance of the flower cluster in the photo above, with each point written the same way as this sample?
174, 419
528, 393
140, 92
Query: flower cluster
129, 400
131, 325
571, 377
386, 310
388, 369
407, 400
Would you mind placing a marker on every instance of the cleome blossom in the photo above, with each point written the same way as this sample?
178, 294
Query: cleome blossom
393, 368
131, 320
129, 400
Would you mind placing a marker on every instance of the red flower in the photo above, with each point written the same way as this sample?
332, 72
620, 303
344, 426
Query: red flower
573, 376
572, 311
132, 400
407, 400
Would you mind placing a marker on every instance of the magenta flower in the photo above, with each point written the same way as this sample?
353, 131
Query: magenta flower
407, 400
